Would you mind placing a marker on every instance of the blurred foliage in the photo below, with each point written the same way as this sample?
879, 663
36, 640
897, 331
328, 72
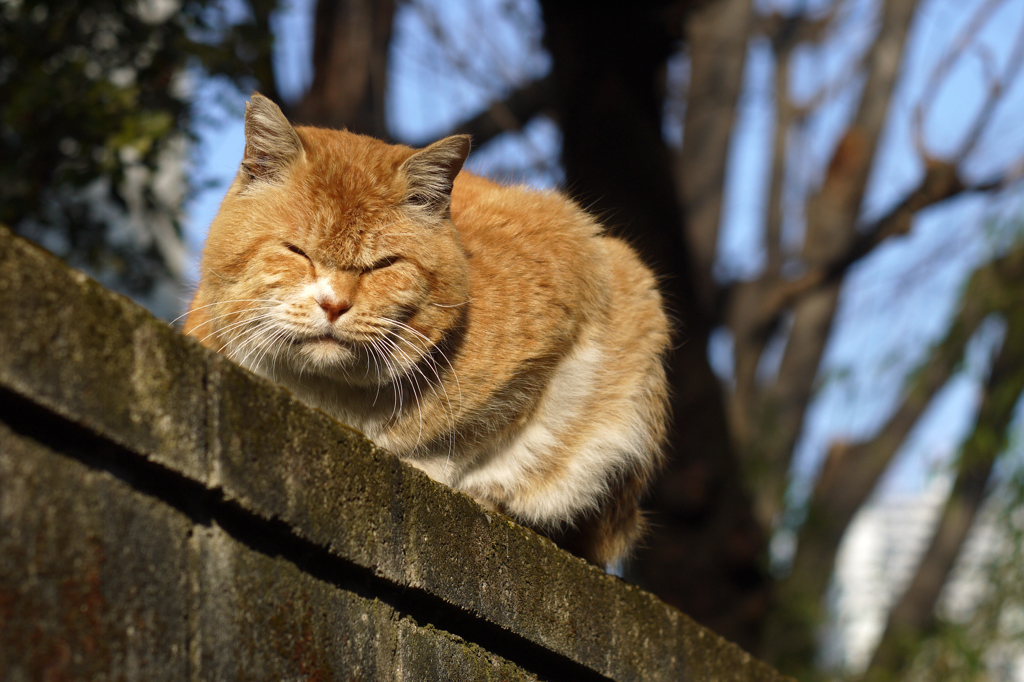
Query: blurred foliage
986, 644
90, 91
981, 640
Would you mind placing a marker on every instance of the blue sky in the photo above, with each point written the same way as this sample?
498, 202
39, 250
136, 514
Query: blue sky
895, 303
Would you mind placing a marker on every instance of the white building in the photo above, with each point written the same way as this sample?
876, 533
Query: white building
875, 563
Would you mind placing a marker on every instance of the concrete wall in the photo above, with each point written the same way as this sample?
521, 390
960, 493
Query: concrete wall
167, 515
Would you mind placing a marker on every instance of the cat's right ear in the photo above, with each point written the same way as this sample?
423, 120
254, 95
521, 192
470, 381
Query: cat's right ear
271, 144
431, 173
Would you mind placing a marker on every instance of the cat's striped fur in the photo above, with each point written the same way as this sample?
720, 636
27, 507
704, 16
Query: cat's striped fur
491, 336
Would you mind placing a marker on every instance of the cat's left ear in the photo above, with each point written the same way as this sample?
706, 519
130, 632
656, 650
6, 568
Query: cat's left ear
271, 143
431, 172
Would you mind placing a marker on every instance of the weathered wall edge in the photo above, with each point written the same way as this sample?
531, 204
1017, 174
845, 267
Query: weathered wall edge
246, 453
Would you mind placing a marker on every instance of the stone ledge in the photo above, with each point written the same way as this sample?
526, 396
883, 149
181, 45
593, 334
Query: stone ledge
115, 585
98, 361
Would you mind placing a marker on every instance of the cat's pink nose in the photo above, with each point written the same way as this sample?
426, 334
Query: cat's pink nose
334, 309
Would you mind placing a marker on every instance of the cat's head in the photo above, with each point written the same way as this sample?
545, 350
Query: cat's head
333, 253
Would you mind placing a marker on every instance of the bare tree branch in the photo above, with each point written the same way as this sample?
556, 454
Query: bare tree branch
832, 212
475, 60
940, 182
914, 614
788, 30
766, 421
481, 64
831, 226
785, 114
849, 475
942, 70
785, 34
997, 88
756, 308
717, 36
512, 113
743, 312
848, 74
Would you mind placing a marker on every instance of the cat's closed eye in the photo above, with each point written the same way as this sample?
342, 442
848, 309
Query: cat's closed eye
297, 250
384, 262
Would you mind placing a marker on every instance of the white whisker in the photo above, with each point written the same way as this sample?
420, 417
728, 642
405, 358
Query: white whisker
452, 305
430, 345
236, 300
271, 340
235, 325
255, 340
424, 355
417, 395
233, 312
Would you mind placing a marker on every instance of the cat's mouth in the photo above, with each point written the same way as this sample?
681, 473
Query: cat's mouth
316, 339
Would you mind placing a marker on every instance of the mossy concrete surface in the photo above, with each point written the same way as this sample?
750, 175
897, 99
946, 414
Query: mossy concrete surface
103, 582
249, 532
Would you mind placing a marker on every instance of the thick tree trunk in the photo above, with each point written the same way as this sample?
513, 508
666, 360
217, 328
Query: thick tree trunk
350, 66
705, 552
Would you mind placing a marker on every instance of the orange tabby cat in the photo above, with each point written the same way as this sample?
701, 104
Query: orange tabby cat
490, 336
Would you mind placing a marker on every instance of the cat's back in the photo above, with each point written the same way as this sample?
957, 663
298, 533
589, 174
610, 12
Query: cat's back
532, 251
550, 251
480, 206
547, 284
